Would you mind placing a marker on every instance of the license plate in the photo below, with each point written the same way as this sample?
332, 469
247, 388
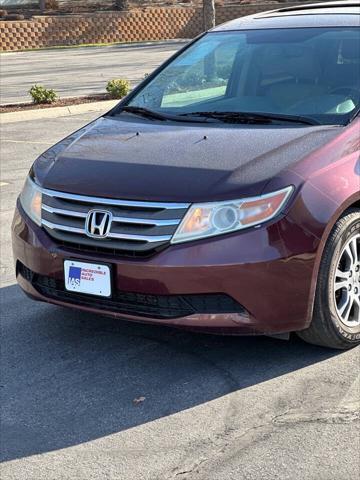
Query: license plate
90, 278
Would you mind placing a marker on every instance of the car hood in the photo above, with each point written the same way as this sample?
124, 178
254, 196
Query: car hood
128, 158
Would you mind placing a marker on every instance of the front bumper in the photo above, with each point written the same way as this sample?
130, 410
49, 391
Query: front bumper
267, 273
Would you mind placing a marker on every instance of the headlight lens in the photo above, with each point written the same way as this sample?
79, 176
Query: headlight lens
210, 219
30, 199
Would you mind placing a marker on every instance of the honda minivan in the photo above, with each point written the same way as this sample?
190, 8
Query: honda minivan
221, 195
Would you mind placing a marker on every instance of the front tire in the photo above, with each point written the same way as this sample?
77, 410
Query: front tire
336, 318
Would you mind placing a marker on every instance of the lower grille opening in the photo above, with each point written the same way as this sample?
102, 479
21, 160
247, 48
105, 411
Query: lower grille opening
137, 304
82, 248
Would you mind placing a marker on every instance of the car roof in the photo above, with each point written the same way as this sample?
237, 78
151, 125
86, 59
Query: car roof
329, 14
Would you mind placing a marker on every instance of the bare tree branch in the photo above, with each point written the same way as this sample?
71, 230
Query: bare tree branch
209, 14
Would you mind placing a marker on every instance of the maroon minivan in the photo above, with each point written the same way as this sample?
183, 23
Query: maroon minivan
221, 195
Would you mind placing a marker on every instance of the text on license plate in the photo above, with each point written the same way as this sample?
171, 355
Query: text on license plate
90, 278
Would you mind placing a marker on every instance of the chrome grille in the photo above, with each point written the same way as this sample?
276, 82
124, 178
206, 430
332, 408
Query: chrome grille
137, 226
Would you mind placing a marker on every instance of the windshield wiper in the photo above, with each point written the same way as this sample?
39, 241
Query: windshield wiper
145, 112
253, 118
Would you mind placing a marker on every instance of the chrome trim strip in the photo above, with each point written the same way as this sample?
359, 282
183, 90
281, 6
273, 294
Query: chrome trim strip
118, 236
141, 238
144, 221
60, 211
135, 221
65, 228
109, 201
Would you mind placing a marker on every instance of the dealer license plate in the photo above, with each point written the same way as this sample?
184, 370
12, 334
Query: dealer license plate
90, 278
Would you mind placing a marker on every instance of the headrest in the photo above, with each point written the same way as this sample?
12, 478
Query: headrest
295, 60
350, 49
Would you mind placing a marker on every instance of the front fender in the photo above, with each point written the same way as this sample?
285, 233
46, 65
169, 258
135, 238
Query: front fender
327, 183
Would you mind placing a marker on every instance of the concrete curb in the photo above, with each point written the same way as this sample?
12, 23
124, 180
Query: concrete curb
150, 43
54, 112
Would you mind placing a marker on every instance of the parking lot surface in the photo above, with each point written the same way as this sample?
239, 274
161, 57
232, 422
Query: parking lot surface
79, 71
86, 397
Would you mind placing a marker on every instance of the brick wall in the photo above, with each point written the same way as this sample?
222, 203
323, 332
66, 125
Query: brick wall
135, 25
74, 6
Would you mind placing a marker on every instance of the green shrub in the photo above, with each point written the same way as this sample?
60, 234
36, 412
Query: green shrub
118, 88
41, 94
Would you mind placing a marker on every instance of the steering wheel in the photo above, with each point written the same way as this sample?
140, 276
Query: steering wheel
351, 92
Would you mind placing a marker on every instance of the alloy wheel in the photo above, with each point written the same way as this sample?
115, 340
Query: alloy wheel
347, 283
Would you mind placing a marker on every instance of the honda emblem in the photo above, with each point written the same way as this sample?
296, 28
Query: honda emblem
98, 223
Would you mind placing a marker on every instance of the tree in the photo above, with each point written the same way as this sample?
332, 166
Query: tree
209, 14
122, 4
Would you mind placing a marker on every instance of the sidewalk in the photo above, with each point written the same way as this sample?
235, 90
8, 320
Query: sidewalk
79, 71
56, 112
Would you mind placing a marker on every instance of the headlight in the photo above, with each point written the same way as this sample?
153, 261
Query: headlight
30, 199
209, 219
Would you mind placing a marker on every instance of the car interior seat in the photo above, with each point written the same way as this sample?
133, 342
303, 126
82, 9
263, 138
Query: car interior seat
300, 73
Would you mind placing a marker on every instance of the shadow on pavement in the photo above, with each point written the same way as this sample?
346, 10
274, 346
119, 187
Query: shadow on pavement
69, 377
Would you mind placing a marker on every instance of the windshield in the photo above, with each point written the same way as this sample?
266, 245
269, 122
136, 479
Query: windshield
308, 72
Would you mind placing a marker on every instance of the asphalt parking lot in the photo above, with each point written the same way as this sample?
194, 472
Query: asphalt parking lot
79, 71
209, 408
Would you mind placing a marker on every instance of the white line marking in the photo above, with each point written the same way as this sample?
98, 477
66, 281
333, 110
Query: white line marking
25, 141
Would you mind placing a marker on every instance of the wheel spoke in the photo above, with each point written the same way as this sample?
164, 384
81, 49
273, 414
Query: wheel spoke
340, 285
341, 274
350, 254
356, 304
346, 306
355, 245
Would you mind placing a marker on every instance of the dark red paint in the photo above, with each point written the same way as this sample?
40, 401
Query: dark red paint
271, 271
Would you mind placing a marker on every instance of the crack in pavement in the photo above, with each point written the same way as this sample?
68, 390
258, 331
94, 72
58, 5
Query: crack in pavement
191, 469
219, 451
346, 414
